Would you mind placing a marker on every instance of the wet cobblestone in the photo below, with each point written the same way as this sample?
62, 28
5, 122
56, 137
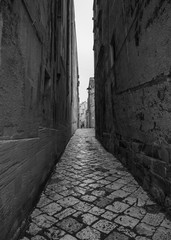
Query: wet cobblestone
91, 196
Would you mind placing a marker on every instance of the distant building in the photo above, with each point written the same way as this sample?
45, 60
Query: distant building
82, 116
90, 115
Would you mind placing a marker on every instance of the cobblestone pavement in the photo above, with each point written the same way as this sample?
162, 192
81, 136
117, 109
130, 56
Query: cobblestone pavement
91, 196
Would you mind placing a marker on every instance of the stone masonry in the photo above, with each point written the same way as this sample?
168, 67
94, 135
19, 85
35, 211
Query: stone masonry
90, 115
132, 48
91, 196
38, 100
82, 114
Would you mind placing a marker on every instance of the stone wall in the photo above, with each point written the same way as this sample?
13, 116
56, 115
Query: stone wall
91, 104
133, 83
82, 115
37, 80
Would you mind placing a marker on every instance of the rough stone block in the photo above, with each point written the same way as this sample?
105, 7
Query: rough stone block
159, 168
136, 147
164, 154
158, 194
168, 173
167, 202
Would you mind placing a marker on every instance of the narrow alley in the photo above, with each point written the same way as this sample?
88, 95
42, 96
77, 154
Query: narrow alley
91, 196
122, 89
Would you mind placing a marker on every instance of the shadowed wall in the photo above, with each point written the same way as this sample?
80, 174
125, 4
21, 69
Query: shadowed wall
38, 110
133, 83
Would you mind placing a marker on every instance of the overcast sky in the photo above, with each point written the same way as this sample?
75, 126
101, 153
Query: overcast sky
84, 29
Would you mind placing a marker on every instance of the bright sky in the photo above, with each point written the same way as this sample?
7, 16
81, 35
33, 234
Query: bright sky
84, 30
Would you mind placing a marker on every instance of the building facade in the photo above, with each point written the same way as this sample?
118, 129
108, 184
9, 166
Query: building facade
90, 115
82, 115
38, 100
133, 84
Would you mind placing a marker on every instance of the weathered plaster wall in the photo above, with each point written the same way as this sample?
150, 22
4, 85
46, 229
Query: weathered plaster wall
37, 81
133, 82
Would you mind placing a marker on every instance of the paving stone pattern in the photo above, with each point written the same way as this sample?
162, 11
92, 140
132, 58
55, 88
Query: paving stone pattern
91, 196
